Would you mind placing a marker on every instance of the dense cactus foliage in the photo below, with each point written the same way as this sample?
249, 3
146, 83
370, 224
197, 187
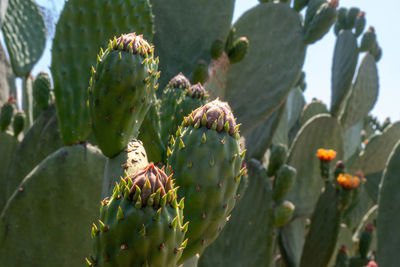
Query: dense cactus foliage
303, 184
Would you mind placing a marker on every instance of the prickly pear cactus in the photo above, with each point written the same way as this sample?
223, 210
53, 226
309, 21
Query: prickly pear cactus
41, 90
122, 88
267, 84
18, 122
24, 34
171, 96
388, 211
6, 113
141, 224
100, 21
206, 161
252, 216
7, 84
182, 40
58, 199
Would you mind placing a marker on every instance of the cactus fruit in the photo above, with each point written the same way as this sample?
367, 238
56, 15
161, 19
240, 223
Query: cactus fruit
6, 113
193, 97
171, 96
359, 24
351, 17
277, 158
206, 160
321, 22
41, 90
342, 258
217, 48
283, 182
141, 224
368, 40
284, 213
18, 123
365, 240
238, 50
298, 5
122, 88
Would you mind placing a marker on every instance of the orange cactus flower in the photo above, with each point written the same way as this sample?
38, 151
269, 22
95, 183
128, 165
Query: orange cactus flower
326, 154
347, 181
372, 264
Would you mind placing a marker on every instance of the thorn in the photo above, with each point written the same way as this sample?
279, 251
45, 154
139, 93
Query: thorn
184, 243
204, 120
189, 164
103, 227
212, 161
204, 138
182, 204
143, 230
174, 223
197, 125
124, 247
120, 214
181, 144
198, 188
168, 152
162, 247
203, 216
178, 132
158, 215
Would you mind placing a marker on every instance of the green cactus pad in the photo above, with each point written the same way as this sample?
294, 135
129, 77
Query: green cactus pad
388, 218
96, 22
373, 158
284, 181
41, 90
8, 145
352, 140
206, 160
344, 238
53, 208
310, 110
291, 241
182, 40
141, 224
34, 148
321, 22
24, 34
294, 105
129, 161
323, 233
7, 80
363, 94
252, 216
27, 88
122, 89
283, 213
260, 138
270, 68
343, 67
322, 131
200, 72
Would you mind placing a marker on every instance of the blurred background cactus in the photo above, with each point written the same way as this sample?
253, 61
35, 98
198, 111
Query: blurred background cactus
194, 137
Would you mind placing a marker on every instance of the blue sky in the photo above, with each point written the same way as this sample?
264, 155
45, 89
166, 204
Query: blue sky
319, 56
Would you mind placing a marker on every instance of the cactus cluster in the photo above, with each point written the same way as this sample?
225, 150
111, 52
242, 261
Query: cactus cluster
301, 184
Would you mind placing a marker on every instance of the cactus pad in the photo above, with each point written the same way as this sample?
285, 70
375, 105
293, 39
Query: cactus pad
141, 224
24, 34
206, 160
45, 207
270, 69
96, 22
122, 88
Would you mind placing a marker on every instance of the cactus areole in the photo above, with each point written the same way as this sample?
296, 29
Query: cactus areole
121, 91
